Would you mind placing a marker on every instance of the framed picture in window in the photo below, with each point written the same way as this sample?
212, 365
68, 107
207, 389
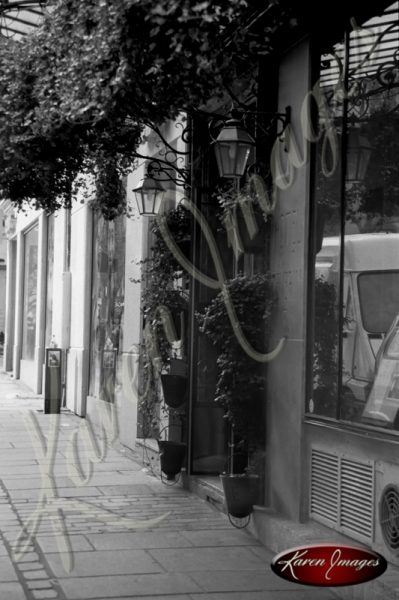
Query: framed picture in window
109, 359
53, 357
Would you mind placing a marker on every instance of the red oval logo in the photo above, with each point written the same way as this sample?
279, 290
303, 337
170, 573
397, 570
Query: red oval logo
329, 565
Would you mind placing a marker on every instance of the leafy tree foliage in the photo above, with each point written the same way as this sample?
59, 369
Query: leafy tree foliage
76, 95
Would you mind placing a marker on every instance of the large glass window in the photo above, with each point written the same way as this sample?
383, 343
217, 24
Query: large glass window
49, 283
30, 293
356, 275
108, 293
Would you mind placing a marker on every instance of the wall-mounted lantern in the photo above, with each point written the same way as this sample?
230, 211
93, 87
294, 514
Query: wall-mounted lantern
358, 156
149, 197
232, 148
234, 143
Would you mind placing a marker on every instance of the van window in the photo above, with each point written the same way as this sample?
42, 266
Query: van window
379, 299
392, 347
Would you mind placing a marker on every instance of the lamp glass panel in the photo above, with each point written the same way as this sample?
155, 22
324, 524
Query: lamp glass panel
358, 157
148, 201
158, 200
231, 158
139, 200
352, 166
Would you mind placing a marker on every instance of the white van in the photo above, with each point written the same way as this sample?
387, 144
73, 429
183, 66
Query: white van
370, 300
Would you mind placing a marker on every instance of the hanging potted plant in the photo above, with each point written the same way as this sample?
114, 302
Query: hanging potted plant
244, 215
245, 305
175, 379
175, 384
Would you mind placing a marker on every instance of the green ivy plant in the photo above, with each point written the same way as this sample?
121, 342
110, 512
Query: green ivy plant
241, 381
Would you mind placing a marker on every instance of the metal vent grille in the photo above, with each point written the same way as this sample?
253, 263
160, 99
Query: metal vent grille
324, 485
356, 498
389, 516
342, 493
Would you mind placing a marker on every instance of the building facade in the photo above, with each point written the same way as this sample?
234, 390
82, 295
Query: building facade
330, 244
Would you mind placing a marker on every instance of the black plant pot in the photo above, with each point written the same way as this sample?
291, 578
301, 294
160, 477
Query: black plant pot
175, 389
241, 493
171, 455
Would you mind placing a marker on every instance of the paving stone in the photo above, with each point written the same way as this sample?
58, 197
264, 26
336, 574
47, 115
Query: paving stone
138, 539
40, 584
304, 594
243, 581
43, 594
33, 566
7, 571
26, 471
116, 563
169, 597
48, 543
83, 588
222, 537
212, 559
36, 483
135, 489
35, 574
11, 591
28, 557
3, 549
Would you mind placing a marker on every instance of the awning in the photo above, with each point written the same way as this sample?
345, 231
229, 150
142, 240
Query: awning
17, 18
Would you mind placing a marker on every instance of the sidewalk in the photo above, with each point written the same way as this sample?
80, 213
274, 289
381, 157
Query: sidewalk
95, 529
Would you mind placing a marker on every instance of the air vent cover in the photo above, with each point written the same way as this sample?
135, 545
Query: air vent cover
324, 497
389, 516
342, 493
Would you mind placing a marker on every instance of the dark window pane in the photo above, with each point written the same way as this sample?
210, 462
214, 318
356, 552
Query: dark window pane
30, 293
379, 300
108, 293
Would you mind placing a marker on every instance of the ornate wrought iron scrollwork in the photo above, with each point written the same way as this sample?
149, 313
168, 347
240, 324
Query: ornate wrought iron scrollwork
165, 171
251, 121
388, 74
169, 163
8, 5
359, 87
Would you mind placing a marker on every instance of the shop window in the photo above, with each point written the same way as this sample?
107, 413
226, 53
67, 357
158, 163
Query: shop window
356, 190
49, 282
30, 293
107, 305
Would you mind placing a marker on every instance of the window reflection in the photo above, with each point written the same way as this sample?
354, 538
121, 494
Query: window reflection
356, 370
30, 293
108, 293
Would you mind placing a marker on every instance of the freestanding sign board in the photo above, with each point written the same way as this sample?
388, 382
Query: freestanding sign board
53, 381
108, 374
